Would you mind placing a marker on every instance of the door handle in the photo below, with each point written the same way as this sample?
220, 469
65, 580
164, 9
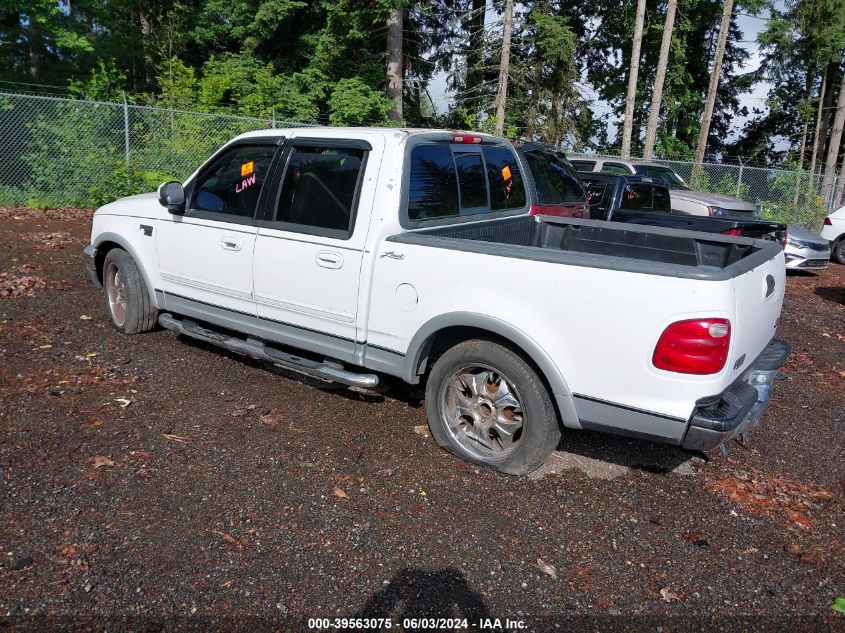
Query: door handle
329, 259
231, 243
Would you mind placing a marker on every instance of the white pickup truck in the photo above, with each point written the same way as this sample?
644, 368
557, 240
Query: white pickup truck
352, 253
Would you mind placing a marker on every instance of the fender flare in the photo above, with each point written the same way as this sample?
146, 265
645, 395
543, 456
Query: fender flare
123, 243
421, 343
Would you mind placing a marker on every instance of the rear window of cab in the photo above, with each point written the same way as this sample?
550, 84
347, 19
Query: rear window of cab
452, 181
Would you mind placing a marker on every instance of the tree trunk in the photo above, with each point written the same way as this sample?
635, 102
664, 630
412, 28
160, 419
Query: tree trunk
394, 62
146, 31
628, 121
803, 147
34, 40
833, 147
828, 113
659, 79
502, 96
475, 75
817, 132
707, 117
840, 186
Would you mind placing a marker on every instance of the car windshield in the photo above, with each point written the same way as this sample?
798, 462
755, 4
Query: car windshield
663, 175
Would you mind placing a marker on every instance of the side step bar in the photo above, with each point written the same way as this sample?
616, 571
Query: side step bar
256, 349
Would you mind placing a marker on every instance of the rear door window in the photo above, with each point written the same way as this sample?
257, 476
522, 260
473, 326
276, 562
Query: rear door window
319, 190
556, 181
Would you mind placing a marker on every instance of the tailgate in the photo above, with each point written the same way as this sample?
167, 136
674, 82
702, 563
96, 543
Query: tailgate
759, 297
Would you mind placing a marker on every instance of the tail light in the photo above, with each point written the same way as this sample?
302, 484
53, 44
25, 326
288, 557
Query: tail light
694, 346
734, 232
467, 139
827, 222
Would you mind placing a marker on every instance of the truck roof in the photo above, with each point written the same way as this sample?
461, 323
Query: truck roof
328, 131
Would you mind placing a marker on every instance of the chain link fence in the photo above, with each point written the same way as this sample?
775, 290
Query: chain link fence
65, 152
788, 196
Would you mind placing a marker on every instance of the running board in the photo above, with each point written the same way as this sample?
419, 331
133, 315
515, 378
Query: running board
256, 349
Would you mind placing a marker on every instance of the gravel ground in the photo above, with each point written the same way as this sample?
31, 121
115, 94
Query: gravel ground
152, 483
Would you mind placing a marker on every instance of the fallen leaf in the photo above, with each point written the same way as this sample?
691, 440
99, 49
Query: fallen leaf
85, 317
123, 402
668, 595
101, 460
547, 569
339, 493
67, 550
792, 548
308, 464
842, 374
175, 438
838, 605
228, 538
44, 346
422, 429
271, 418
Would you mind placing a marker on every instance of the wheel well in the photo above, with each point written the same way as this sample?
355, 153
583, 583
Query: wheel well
445, 339
103, 250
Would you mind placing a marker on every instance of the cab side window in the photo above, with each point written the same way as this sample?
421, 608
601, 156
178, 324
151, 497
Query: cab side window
232, 184
320, 189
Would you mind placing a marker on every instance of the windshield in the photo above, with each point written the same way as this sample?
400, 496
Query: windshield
663, 175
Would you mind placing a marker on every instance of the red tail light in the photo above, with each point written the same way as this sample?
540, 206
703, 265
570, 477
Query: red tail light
827, 222
734, 232
469, 139
695, 346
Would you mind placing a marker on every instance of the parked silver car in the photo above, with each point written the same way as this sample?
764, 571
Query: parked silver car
805, 250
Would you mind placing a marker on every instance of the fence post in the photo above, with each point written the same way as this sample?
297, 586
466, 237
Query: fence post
739, 180
126, 127
273, 120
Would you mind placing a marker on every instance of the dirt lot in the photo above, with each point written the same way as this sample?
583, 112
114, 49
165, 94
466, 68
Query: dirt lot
149, 482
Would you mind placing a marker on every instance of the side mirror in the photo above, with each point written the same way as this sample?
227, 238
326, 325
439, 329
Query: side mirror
172, 196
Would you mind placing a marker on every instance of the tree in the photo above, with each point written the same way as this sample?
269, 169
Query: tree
833, 147
659, 79
633, 73
504, 63
727, 10
394, 62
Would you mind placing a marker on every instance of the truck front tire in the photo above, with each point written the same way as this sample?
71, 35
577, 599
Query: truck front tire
486, 404
127, 299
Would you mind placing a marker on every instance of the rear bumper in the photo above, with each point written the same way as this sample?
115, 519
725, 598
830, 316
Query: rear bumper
89, 255
719, 418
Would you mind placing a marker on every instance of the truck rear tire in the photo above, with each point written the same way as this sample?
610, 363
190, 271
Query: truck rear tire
127, 299
486, 404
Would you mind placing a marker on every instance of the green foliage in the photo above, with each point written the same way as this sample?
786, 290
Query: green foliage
355, 103
796, 198
838, 605
106, 82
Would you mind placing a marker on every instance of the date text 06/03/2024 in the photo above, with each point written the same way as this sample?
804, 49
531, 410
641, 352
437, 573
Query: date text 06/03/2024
481, 624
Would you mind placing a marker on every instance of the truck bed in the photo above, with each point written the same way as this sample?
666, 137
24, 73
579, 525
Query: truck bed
634, 248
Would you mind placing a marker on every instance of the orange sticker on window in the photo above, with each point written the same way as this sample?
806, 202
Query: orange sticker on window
506, 173
247, 168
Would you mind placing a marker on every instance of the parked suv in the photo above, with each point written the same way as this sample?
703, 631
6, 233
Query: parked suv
684, 199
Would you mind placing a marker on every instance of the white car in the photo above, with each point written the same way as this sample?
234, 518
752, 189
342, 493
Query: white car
349, 253
834, 232
684, 199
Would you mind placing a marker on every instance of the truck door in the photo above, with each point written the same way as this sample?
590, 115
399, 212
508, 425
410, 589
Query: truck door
309, 248
205, 256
